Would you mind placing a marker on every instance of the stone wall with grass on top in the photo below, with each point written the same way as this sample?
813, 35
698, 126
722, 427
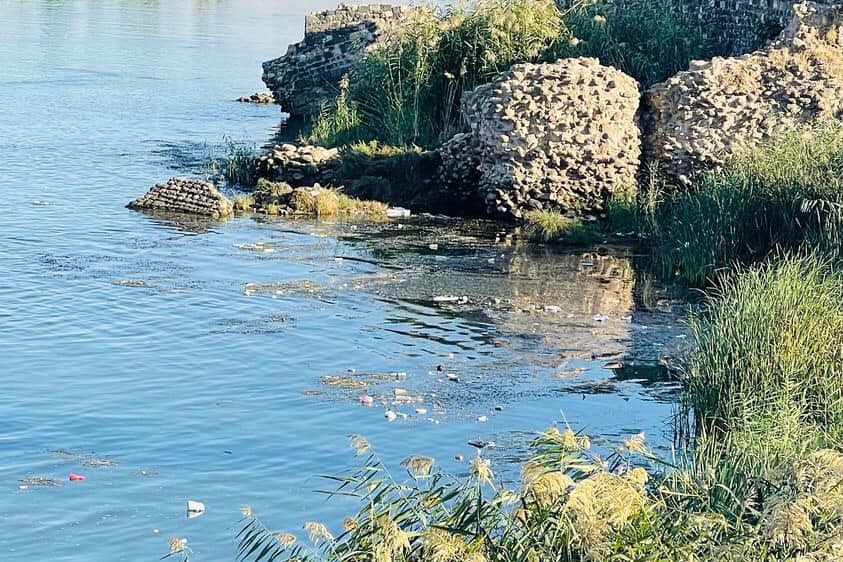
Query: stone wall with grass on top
561, 136
334, 41
696, 120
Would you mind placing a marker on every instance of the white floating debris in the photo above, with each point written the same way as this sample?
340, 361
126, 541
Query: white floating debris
433, 247
446, 299
400, 391
459, 458
39, 203
453, 377
552, 309
421, 411
398, 213
402, 415
600, 318
390, 415
366, 400
195, 509
482, 419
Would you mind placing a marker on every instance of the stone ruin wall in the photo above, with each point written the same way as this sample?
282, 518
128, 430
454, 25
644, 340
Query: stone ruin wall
738, 23
334, 40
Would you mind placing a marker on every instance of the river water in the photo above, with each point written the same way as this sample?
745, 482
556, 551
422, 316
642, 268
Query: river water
169, 359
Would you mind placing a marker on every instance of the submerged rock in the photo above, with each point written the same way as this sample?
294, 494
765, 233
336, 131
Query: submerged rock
696, 120
185, 195
258, 97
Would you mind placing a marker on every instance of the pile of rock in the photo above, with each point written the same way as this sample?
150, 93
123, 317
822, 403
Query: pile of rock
300, 164
185, 195
561, 136
696, 120
280, 198
333, 42
259, 97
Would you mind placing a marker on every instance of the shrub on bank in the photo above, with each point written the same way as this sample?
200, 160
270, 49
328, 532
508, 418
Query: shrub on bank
786, 193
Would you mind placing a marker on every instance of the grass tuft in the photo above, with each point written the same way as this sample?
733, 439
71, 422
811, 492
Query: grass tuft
784, 194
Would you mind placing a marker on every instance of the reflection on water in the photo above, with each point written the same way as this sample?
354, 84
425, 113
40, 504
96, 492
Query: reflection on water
223, 362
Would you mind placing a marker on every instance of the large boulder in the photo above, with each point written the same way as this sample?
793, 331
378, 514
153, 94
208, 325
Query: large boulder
696, 120
185, 195
560, 136
310, 71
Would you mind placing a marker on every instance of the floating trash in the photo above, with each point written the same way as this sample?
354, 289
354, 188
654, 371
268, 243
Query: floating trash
398, 213
366, 400
264, 247
390, 415
73, 477
140, 283
194, 509
421, 411
39, 203
453, 377
482, 419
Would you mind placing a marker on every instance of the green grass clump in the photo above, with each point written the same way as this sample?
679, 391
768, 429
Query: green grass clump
237, 165
552, 226
784, 194
358, 209
646, 39
244, 203
408, 90
769, 346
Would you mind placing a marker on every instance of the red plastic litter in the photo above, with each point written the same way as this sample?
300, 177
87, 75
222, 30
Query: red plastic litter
75, 477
